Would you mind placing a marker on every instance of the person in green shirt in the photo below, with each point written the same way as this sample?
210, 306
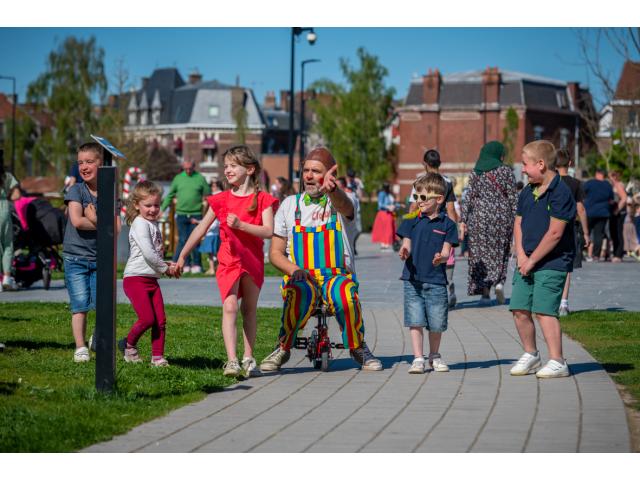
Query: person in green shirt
190, 188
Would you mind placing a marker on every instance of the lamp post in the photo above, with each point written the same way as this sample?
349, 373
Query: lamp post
311, 38
302, 135
13, 122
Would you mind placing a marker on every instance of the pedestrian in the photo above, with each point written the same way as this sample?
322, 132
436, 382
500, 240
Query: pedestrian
580, 225
631, 244
246, 219
617, 217
355, 183
384, 225
211, 242
427, 241
597, 202
487, 219
145, 265
190, 188
8, 184
545, 248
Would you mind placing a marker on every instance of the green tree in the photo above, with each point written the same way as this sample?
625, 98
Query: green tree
509, 133
73, 81
351, 118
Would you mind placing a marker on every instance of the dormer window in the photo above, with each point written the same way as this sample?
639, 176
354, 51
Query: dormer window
214, 111
561, 99
564, 138
537, 132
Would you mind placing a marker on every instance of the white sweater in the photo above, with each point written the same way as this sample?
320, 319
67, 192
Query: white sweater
145, 250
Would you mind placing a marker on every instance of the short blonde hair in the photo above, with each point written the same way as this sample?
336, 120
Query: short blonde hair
431, 182
542, 149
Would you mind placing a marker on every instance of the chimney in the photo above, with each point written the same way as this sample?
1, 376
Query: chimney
431, 87
145, 82
270, 100
491, 85
238, 100
284, 100
195, 77
574, 91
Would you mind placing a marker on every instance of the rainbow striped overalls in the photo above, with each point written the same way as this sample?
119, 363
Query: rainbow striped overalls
320, 251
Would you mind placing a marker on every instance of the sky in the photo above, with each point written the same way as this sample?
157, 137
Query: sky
260, 56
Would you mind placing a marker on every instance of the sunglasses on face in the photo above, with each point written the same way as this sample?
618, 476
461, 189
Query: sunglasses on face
423, 198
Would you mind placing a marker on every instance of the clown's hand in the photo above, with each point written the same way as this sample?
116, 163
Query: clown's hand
329, 182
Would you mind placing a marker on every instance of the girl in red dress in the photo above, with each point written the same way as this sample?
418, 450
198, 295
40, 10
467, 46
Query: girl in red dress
246, 218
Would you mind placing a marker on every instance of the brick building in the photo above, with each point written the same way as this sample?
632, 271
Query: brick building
458, 113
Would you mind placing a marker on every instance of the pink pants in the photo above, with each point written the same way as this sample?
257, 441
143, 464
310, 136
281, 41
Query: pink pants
146, 299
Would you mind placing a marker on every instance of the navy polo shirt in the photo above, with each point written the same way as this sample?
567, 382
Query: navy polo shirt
427, 238
557, 202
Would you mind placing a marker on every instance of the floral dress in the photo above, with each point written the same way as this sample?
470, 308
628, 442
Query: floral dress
489, 212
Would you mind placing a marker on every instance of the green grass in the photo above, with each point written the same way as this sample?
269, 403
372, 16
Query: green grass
613, 338
49, 404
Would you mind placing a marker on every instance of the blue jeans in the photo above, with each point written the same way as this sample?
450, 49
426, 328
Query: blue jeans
426, 305
185, 227
80, 279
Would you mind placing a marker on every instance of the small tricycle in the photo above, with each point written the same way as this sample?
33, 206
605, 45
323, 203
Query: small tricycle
318, 344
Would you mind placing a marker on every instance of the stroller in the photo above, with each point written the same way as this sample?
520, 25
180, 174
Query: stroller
35, 255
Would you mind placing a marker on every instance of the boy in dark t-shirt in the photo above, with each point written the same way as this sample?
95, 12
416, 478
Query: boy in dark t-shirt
545, 249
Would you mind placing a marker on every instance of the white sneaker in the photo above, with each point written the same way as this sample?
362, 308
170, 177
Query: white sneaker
525, 364
9, 284
564, 310
81, 355
196, 269
417, 366
250, 367
500, 293
553, 369
186, 269
437, 363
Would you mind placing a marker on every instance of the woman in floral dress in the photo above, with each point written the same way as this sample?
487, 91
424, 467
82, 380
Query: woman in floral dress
487, 219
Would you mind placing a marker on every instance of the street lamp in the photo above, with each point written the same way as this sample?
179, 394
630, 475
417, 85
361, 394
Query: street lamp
302, 135
311, 38
13, 123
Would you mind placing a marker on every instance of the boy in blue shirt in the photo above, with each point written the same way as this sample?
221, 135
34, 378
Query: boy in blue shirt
427, 240
545, 249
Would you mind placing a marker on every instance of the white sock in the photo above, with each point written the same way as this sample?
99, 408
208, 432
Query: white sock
564, 303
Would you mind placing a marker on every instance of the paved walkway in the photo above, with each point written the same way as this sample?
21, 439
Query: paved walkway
476, 407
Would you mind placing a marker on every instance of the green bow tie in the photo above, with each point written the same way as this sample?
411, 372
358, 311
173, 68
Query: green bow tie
308, 200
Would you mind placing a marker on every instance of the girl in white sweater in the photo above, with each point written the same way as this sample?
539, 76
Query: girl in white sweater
144, 267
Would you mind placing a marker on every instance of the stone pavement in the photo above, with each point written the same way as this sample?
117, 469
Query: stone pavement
476, 407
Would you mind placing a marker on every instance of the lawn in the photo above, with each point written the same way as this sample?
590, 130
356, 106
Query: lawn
49, 404
613, 338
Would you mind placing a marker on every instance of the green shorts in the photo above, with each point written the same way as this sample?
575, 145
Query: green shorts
538, 292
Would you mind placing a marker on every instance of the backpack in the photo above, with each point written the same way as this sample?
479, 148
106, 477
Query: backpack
46, 223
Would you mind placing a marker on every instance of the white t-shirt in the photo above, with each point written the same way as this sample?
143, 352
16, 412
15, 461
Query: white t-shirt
145, 250
312, 216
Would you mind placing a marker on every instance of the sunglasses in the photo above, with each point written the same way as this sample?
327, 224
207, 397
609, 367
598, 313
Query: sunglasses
424, 198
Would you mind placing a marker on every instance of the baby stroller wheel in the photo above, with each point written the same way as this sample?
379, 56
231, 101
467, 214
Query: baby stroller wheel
324, 361
46, 277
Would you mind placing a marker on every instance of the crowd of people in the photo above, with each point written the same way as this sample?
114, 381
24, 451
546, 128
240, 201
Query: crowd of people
542, 227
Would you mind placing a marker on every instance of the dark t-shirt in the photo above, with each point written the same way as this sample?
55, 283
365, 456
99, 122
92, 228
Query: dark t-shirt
598, 197
536, 213
575, 186
80, 243
427, 238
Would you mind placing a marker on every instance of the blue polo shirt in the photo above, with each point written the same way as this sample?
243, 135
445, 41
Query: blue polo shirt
598, 198
536, 212
427, 238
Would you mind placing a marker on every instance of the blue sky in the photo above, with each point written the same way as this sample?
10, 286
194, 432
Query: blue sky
260, 56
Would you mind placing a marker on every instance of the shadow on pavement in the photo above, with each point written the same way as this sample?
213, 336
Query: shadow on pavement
483, 364
197, 363
478, 304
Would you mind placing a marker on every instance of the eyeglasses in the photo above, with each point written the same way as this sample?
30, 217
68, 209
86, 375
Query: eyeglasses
424, 198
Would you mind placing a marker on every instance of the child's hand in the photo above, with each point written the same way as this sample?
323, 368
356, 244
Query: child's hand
91, 214
438, 259
404, 252
194, 221
178, 266
233, 221
526, 267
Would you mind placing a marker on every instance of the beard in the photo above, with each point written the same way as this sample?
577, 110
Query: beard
313, 190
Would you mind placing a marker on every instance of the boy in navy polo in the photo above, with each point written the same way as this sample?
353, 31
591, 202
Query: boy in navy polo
545, 250
426, 243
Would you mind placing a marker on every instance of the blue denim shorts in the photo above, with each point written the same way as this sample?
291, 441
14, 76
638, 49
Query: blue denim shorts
426, 305
80, 279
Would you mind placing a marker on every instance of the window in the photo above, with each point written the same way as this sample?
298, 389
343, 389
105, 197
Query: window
537, 132
633, 119
214, 111
564, 138
210, 158
156, 116
561, 99
132, 118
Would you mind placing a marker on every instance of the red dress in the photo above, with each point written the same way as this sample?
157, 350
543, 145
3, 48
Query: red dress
240, 252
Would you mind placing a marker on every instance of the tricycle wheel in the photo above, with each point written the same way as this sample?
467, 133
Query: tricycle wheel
46, 277
325, 361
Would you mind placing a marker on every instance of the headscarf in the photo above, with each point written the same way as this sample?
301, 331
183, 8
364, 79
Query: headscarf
490, 157
322, 155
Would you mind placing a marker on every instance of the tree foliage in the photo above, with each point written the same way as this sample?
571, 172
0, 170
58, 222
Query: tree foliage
509, 133
351, 118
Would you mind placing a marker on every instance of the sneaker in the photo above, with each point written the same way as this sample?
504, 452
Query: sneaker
417, 366
186, 269
436, 362
526, 363
635, 255
81, 355
129, 354
564, 310
363, 357
589, 259
553, 369
500, 293
232, 369
275, 360
250, 367
9, 284
196, 269
159, 362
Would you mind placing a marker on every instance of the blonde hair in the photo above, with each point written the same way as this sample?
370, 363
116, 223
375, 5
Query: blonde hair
245, 157
140, 191
431, 182
542, 149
